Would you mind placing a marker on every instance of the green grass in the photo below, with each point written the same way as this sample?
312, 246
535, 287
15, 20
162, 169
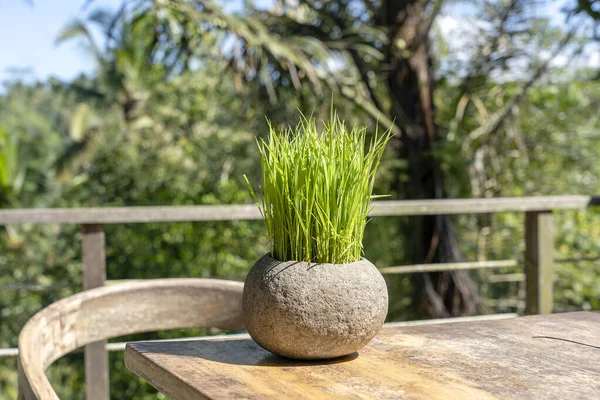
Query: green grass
317, 189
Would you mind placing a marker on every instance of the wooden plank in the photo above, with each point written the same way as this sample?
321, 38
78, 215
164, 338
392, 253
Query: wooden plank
481, 206
110, 215
452, 320
502, 278
409, 269
94, 275
114, 215
504, 303
549, 357
539, 262
94, 256
34, 287
10, 352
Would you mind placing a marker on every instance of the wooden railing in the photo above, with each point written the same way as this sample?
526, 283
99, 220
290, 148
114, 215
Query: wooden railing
539, 244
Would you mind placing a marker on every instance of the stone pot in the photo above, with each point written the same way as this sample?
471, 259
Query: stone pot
314, 311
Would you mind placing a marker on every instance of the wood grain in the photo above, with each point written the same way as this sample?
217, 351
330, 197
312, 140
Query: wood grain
94, 275
118, 310
417, 268
550, 357
113, 215
539, 262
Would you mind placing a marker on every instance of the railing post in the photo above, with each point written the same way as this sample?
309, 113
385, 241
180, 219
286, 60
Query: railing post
539, 260
94, 275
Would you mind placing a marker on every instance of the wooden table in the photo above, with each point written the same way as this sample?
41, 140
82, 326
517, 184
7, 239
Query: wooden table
536, 357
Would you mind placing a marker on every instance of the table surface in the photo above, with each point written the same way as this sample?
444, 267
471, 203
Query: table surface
553, 356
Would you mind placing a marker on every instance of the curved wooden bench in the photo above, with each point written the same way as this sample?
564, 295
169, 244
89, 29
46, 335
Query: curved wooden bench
118, 310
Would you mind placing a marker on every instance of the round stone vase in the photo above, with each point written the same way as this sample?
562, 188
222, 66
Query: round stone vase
314, 311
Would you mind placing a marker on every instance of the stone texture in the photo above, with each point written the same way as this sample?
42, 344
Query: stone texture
314, 311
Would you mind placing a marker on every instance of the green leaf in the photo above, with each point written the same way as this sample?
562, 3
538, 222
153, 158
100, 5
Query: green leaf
80, 122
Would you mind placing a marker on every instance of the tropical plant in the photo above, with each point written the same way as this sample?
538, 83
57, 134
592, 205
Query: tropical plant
12, 173
376, 55
317, 189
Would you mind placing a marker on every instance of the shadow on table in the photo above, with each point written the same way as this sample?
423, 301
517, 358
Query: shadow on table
232, 351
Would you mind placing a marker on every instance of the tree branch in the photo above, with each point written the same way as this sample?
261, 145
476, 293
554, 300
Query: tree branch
478, 69
437, 7
365, 78
370, 109
499, 116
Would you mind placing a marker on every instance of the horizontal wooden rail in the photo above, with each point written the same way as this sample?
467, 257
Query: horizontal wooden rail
409, 269
483, 206
502, 278
35, 287
504, 303
9, 352
118, 215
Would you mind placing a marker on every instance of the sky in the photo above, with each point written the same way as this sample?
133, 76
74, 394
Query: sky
27, 39
28, 32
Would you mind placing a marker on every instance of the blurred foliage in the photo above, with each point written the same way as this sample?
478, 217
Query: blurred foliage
171, 119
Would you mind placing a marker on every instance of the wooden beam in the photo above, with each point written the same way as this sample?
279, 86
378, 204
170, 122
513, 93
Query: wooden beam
539, 262
409, 269
112, 215
502, 278
94, 275
34, 287
10, 352
481, 206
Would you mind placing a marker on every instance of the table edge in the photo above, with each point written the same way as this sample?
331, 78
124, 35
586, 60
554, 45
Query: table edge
135, 361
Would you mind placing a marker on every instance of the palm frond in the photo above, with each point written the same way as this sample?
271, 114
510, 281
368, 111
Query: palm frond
77, 29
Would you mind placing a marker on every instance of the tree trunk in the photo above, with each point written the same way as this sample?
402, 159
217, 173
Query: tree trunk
411, 87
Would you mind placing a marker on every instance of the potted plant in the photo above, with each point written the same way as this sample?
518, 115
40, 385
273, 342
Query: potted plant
313, 296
